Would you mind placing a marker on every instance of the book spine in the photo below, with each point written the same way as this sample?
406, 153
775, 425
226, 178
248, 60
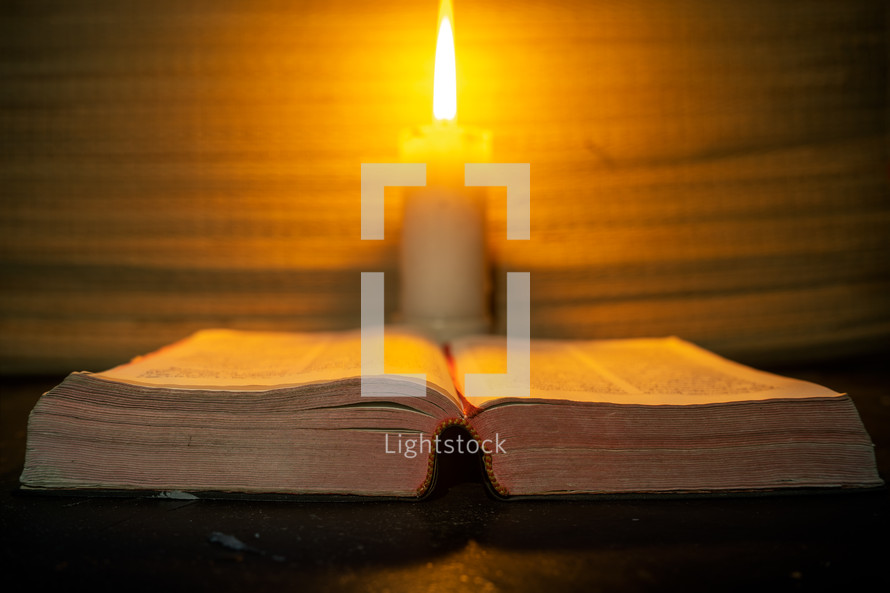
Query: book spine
486, 457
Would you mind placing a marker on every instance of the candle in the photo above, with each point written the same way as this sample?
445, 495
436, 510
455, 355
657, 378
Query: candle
444, 271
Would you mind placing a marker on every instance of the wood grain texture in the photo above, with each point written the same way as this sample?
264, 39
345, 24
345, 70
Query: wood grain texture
716, 170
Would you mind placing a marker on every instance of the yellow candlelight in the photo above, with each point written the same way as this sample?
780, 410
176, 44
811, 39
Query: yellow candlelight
445, 79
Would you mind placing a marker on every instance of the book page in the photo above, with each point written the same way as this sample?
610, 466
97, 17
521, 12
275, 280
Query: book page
241, 360
651, 371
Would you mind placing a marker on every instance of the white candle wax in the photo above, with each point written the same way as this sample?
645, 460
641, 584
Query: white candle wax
443, 264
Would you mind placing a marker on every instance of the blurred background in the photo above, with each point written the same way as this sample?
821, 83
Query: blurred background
712, 169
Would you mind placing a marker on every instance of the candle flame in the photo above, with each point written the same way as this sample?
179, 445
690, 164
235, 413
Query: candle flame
445, 81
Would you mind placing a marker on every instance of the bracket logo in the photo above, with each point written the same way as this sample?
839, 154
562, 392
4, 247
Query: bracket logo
516, 177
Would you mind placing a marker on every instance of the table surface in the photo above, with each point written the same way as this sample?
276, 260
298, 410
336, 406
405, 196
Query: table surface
460, 539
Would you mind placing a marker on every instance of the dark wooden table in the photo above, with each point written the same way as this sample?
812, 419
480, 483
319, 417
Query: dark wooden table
460, 540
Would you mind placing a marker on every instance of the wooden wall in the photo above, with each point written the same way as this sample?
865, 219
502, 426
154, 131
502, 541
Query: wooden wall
713, 169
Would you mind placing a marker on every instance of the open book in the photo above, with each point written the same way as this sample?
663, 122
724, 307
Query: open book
262, 413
